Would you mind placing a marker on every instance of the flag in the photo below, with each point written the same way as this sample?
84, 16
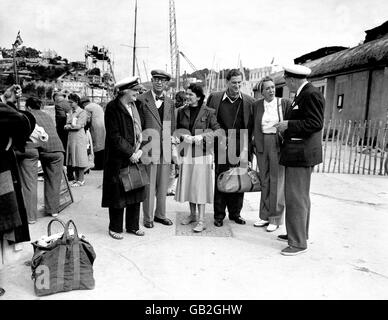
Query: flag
18, 40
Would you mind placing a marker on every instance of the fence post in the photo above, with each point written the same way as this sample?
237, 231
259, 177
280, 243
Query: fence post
361, 146
349, 124
325, 145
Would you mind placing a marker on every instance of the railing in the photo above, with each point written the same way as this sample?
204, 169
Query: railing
355, 147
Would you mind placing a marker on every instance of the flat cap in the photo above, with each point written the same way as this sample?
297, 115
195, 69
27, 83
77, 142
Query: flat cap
161, 74
128, 83
85, 99
296, 70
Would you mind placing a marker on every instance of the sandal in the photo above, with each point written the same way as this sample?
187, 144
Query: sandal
115, 235
138, 232
78, 184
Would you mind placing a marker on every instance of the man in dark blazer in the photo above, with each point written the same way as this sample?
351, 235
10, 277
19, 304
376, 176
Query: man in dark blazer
234, 111
158, 113
300, 152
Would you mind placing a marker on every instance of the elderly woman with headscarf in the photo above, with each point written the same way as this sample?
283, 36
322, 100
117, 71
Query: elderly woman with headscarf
122, 148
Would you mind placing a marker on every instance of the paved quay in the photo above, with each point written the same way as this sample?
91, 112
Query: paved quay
347, 257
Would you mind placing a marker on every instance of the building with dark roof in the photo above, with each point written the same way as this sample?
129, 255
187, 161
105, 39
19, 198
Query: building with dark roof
354, 81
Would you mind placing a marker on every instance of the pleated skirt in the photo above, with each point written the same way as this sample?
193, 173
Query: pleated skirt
195, 180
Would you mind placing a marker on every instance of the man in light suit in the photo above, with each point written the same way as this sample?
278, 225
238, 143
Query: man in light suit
300, 152
157, 112
233, 111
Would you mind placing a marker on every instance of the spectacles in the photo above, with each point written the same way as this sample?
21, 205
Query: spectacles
159, 80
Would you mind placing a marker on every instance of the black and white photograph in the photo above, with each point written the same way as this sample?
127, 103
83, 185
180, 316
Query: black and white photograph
196, 155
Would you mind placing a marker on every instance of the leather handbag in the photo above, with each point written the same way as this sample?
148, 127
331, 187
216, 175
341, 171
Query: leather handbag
239, 180
62, 262
134, 176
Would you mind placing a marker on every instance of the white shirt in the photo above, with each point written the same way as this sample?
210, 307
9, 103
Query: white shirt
231, 101
270, 116
300, 88
129, 109
158, 103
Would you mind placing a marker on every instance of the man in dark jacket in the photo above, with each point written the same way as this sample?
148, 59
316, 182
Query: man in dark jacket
62, 108
300, 152
234, 111
15, 129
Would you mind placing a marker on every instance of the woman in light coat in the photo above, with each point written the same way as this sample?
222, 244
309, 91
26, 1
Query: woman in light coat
76, 151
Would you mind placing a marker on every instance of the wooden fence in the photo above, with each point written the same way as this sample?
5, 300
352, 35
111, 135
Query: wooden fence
355, 147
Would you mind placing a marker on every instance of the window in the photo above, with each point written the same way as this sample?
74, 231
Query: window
322, 89
340, 102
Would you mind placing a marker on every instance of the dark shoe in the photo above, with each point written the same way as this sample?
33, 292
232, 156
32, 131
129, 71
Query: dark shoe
218, 223
239, 220
138, 232
283, 237
149, 225
165, 221
292, 251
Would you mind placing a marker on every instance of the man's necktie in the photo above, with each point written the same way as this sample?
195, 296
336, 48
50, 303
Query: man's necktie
160, 98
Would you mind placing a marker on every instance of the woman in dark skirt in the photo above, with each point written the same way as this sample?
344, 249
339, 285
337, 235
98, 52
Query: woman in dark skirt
122, 148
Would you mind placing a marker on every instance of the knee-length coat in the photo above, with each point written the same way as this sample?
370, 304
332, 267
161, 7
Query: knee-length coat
119, 147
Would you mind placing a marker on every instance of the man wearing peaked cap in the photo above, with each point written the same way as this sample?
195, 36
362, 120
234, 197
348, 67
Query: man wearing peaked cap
160, 74
297, 71
300, 152
157, 112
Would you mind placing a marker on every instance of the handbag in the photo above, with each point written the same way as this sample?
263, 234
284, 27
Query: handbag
62, 262
134, 176
238, 180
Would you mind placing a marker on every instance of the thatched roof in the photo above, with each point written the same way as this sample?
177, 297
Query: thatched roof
367, 55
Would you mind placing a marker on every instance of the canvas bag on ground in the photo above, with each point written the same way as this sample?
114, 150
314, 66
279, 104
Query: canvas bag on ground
239, 180
63, 264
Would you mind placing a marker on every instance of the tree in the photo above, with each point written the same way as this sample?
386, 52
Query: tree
27, 52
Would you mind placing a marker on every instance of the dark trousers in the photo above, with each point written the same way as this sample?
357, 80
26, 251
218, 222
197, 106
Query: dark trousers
272, 180
116, 217
99, 160
297, 196
232, 201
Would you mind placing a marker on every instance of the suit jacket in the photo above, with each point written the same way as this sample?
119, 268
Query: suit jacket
214, 101
258, 112
302, 145
205, 124
151, 120
119, 147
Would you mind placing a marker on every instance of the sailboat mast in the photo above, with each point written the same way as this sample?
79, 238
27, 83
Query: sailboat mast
134, 43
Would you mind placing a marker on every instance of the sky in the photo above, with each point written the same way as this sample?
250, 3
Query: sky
211, 33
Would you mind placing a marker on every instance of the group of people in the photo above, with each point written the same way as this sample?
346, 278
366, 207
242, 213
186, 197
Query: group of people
226, 130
